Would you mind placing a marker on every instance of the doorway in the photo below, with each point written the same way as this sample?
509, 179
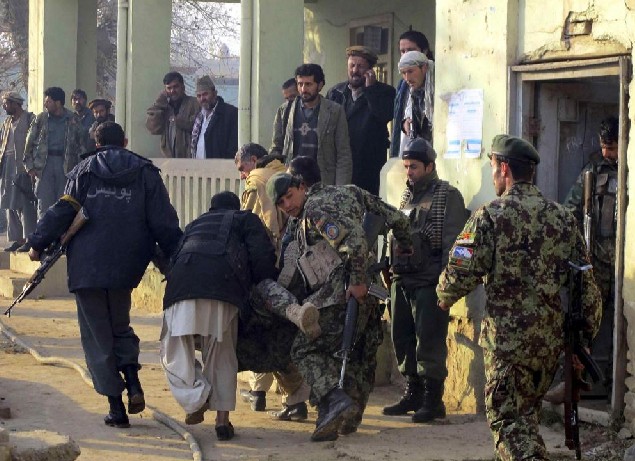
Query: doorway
558, 106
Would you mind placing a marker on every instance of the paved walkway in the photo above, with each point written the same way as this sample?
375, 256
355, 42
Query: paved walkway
56, 398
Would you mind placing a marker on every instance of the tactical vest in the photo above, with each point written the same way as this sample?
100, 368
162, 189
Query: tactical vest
222, 245
426, 226
605, 201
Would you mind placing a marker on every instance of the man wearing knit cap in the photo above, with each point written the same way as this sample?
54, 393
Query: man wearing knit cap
369, 107
172, 116
518, 246
20, 204
215, 132
436, 212
418, 73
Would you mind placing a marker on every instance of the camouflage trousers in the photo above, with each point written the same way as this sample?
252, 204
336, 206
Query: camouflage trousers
513, 398
359, 381
264, 337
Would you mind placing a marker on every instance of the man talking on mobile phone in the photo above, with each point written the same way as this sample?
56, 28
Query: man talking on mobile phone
368, 104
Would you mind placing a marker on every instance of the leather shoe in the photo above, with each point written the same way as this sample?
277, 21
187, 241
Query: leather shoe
295, 412
117, 416
196, 417
24, 248
225, 432
258, 399
14, 246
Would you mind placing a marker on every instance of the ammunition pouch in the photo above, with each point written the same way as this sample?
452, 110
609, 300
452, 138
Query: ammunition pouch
317, 263
408, 264
604, 203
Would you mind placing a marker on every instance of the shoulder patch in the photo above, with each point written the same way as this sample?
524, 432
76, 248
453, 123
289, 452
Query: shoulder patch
332, 231
461, 257
465, 238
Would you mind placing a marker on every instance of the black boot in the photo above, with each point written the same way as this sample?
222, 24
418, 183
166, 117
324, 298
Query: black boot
117, 416
136, 400
433, 406
337, 407
411, 399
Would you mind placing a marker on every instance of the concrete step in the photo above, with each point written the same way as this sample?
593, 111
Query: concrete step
17, 268
11, 283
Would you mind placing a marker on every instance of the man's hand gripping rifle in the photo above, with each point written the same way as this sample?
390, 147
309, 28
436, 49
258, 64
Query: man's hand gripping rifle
575, 327
58, 249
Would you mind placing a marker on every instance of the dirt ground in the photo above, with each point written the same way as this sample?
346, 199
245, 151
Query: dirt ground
56, 398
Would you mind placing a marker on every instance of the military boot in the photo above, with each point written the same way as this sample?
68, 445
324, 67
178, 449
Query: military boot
306, 318
337, 407
432, 404
117, 416
411, 399
136, 400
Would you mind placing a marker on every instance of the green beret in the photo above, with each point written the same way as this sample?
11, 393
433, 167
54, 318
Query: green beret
419, 149
279, 184
512, 147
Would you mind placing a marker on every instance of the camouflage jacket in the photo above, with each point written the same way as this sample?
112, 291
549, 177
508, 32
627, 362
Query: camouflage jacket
518, 245
36, 150
334, 214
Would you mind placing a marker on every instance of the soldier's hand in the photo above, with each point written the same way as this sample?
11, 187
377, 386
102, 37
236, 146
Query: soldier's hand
34, 255
443, 306
359, 292
406, 126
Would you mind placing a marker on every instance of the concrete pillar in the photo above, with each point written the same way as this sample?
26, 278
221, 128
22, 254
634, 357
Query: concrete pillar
478, 58
275, 56
148, 60
62, 50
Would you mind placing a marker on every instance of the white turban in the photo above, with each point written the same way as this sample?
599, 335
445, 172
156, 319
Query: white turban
418, 59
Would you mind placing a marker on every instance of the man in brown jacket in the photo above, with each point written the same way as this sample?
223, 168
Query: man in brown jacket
172, 116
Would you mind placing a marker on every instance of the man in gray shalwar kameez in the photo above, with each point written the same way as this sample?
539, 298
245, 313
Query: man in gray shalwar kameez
16, 194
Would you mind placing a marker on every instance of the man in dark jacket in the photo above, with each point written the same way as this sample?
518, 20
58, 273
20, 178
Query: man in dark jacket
221, 255
215, 132
129, 212
369, 107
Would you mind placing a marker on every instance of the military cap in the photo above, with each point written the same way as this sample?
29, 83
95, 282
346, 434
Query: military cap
504, 145
279, 184
363, 52
419, 149
13, 96
99, 102
205, 83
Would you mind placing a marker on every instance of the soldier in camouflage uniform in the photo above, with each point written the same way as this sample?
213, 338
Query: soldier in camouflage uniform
333, 247
360, 376
436, 214
519, 246
604, 227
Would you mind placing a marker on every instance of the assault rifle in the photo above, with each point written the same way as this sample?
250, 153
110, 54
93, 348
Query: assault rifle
587, 209
373, 225
575, 326
57, 250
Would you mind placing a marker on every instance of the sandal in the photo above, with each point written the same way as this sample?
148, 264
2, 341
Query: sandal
225, 432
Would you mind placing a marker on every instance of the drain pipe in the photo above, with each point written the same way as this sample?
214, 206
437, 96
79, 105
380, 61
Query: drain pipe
244, 81
122, 64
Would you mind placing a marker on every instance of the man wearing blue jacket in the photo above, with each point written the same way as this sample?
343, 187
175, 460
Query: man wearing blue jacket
129, 212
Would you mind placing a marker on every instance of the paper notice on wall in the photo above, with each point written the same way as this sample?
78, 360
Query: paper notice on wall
464, 130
